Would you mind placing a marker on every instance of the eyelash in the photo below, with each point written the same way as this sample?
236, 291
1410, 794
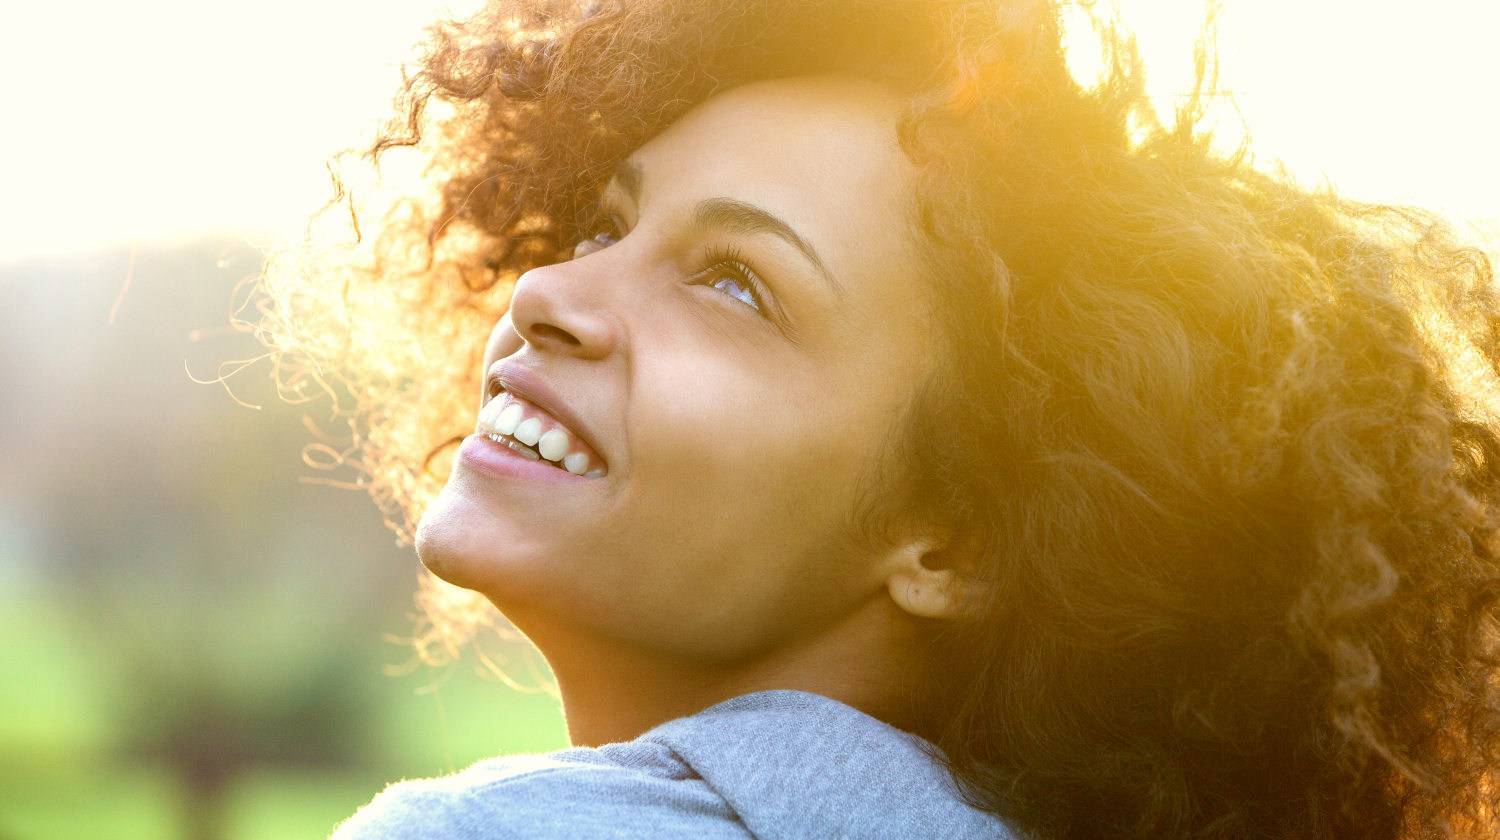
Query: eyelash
719, 257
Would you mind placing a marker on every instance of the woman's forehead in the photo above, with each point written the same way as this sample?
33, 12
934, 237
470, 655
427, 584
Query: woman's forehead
819, 141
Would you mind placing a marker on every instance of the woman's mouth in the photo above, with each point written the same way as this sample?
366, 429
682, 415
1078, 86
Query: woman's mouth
532, 433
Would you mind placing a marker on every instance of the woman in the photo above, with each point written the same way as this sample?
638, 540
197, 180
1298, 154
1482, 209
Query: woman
881, 434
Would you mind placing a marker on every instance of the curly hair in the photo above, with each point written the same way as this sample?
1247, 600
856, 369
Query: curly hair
1228, 449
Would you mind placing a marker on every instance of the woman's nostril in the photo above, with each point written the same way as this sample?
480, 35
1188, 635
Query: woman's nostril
549, 331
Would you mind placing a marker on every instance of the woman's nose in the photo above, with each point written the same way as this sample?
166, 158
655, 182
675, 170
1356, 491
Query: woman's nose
556, 308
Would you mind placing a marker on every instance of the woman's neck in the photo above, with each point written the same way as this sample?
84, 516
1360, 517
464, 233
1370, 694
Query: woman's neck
613, 691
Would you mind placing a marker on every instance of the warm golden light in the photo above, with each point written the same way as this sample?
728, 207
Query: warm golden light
1386, 103
166, 119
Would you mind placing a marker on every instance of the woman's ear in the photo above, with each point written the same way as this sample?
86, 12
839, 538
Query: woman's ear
931, 577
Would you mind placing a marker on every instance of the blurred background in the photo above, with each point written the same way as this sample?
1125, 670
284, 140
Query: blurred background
201, 638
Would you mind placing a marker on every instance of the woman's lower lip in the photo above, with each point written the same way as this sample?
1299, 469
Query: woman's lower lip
482, 453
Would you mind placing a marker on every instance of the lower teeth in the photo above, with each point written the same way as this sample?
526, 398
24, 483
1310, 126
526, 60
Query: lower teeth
532, 455
526, 451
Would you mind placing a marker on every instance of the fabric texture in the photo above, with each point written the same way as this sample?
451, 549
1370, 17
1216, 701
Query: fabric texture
769, 765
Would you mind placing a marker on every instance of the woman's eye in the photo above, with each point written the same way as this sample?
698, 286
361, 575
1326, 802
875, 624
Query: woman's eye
605, 235
727, 272
728, 264
742, 287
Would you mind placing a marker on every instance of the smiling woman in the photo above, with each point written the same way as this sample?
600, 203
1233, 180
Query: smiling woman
881, 434
714, 423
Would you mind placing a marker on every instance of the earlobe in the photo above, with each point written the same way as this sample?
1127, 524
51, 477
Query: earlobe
928, 592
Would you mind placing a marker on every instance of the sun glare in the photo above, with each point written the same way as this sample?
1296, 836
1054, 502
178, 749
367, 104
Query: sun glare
1384, 102
167, 119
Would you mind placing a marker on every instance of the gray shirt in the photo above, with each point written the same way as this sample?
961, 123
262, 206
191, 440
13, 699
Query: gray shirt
770, 764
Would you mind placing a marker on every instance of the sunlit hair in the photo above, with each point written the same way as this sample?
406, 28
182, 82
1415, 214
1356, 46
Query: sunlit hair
1226, 448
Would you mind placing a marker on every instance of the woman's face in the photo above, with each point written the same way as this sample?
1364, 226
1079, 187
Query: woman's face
738, 419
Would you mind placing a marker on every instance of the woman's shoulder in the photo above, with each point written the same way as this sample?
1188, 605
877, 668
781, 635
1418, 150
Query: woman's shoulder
775, 764
795, 763
572, 793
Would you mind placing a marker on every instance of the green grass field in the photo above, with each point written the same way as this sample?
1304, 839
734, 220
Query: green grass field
74, 762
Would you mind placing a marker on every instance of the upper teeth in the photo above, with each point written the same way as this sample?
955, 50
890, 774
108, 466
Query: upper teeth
508, 416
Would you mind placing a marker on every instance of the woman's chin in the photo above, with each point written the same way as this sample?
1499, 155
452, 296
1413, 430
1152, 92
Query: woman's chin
468, 544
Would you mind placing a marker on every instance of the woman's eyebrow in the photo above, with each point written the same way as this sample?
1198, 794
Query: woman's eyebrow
734, 215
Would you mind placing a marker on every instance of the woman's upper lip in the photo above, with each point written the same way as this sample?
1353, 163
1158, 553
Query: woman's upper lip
526, 383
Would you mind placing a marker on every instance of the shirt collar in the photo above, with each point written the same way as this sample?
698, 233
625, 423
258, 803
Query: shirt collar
794, 763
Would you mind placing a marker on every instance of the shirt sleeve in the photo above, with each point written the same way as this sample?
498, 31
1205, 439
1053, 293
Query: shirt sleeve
580, 801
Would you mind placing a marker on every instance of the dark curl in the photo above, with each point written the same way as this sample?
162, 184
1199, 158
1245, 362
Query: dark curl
1225, 448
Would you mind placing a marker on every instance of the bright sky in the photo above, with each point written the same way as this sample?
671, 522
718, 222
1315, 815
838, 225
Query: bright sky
158, 120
